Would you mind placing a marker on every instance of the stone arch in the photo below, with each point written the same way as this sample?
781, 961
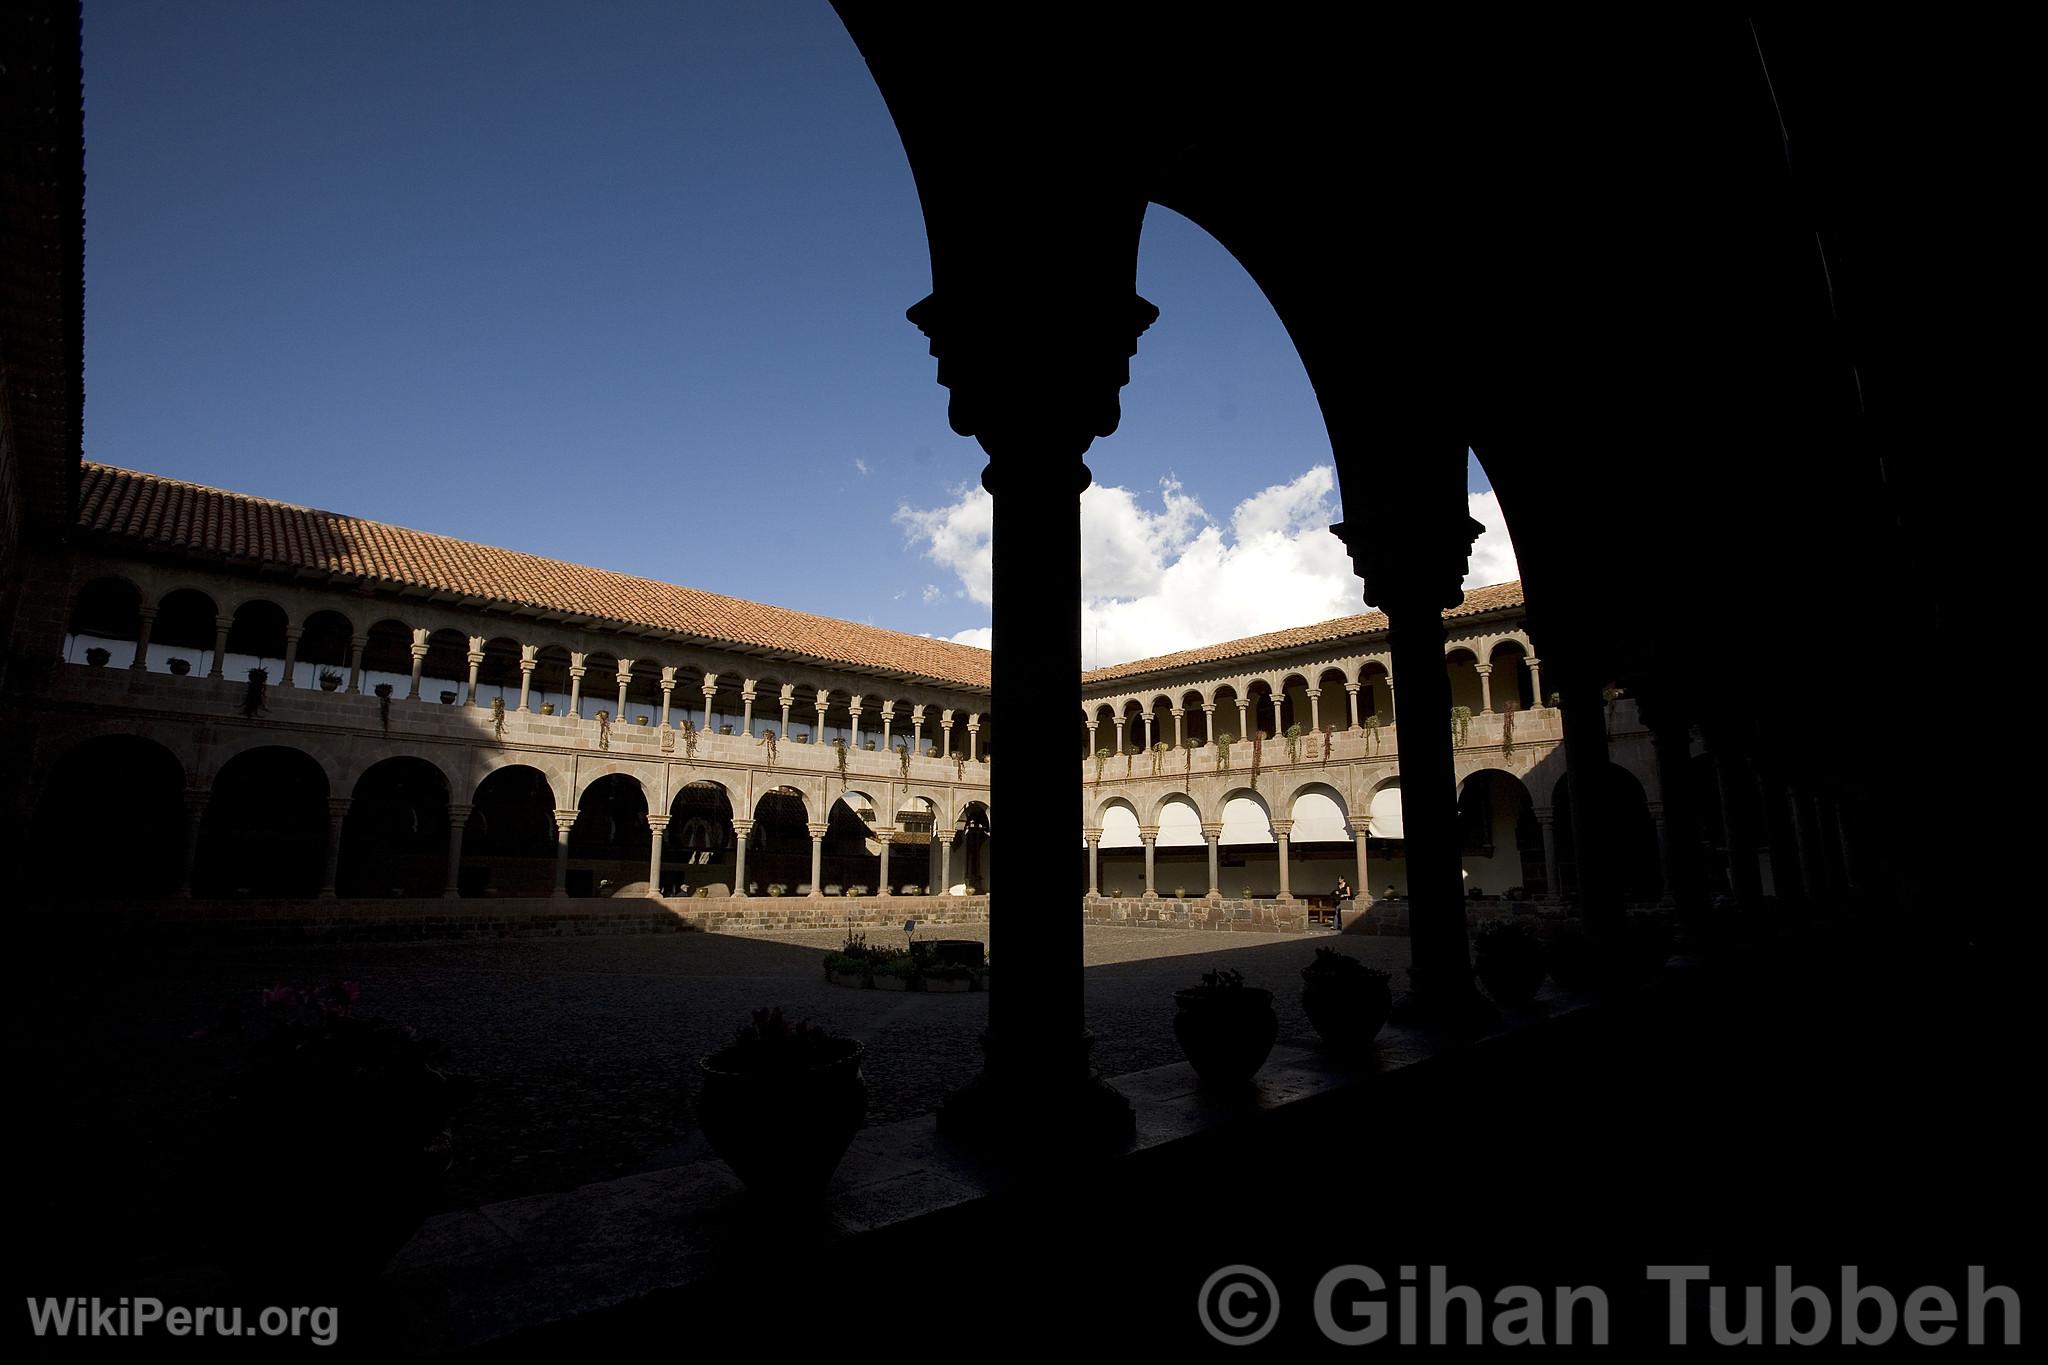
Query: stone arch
1334, 704
1224, 697
1179, 821
387, 656
498, 675
1629, 834
184, 629
699, 838
1512, 685
779, 845
346, 772
508, 845
1383, 809
608, 844
550, 685
444, 673
1375, 692
1196, 719
106, 613
643, 692
852, 854
971, 840
1245, 817
325, 643
109, 820
266, 825
1320, 814
256, 637
1461, 665
215, 758
1499, 835
394, 840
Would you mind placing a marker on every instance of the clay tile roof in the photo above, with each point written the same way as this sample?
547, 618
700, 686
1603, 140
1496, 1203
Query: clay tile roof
1498, 597
193, 520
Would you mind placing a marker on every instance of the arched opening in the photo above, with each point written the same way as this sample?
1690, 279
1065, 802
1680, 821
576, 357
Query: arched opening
1501, 840
110, 823
1231, 720
779, 845
697, 848
444, 673
394, 840
1120, 853
324, 643
1462, 666
266, 826
609, 842
1293, 704
1375, 696
1513, 687
508, 846
1195, 719
181, 640
912, 861
643, 694
1332, 708
852, 860
769, 703
1130, 734
1630, 835
1387, 844
256, 640
1180, 863
387, 657
548, 694
1320, 849
105, 616
497, 677
970, 850
1262, 716
1247, 855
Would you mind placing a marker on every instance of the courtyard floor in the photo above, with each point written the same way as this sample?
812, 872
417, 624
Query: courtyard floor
582, 1050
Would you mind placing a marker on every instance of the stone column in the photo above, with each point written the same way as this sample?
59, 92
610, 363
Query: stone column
625, 679
888, 719
1148, 732
1209, 720
1536, 679
337, 814
1360, 829
526, 667
1485, 688
1150, 835
141, 661
747, 695
1281, 828
1093, 838
476, 663
1411, 545
356, 644
668, 694
1244, 725
290, 676
195, 816
740, 830
1093, 737
822, 702
945, 839
576, 671
1315, 710
946, 733
1180, 732
220, 647
1351, 695
1546, 819
458, 821
1666, 854
565, 820
917, 731
883, 837
1393, 716
973, 737
818, 828
710, 691
785, 702
1213, 836
657, 828
1585, 756
419, 662
853, 711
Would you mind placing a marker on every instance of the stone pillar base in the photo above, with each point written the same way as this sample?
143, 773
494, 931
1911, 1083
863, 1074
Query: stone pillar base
1081, 1118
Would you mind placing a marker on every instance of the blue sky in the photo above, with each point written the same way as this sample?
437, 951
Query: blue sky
624, 284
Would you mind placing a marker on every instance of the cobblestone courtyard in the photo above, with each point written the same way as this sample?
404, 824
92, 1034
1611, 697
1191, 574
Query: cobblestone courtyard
582, 1050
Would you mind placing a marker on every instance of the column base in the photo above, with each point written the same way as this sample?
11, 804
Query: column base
1283, 898
1214, 896
1450, 1004
1072, 1114
1149, 896
451, 895
326, 894
560, 893
815, 895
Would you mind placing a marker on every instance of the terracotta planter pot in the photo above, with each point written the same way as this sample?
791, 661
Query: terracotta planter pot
783, 1132
1226, 1034
1348, 1012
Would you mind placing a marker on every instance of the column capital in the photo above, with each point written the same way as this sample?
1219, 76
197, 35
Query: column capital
458, 811
1208, 708
1485, 669
1090, 837
657, 823
1545, 814
1352, 686
742, 827
1361, 824
419, 651
564, 820
1282, 828
147, 611
1179, 711
577, 670
337, 806
526, 663
945, 836
476, 656
1149, 833
1212, 832
817, 828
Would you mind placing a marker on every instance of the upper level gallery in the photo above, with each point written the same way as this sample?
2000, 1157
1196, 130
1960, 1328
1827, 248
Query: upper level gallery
193, 588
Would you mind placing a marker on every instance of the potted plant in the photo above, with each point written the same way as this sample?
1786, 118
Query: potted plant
329, 680
328, 1116
255, 695
869, 746
895, 973
776, 888
179, 667
384, 706
1509, 961
1346, 1000
725, 729
547, 708
447, 697
640, 720
782, 1103
1225, 1027
97, 657
950, 977
857, 889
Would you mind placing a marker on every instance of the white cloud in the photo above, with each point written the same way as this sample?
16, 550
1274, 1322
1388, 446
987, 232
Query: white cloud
861, 465
932, 593
1158, 580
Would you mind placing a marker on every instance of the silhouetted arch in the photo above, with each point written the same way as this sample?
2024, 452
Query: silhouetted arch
394, 840
110, 822
266, 826
106, 614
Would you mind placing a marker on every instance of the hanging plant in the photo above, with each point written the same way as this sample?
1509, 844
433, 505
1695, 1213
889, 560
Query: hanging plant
1187, 766
1159, 756
903, 761
959, 767
498, 718
689, 741
253, 695
604, 729
1507, 728
1294, 742
1329, 738
769, 742
1223, 743
384, 706
1371, 727
1128, 760
840, 746
1101, 761
1258, 755
1461, 724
